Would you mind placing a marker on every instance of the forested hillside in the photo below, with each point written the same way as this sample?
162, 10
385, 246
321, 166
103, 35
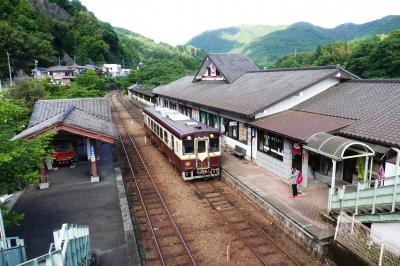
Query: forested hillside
299, 37
376, 57
228, 39
46, 30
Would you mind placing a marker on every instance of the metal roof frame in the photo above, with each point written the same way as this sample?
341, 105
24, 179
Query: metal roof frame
334, 147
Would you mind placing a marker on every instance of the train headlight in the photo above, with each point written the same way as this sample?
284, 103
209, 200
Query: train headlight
188, 164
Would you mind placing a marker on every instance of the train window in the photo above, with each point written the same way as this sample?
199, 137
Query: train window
172, 142
201, 146
166, 136
188, 145
214, 143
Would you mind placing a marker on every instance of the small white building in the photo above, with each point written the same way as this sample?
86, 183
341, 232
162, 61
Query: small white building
113, 70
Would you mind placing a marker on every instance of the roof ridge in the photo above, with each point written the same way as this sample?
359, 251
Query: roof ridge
296, 68
71, 99
67, 112
317, 113
385, 80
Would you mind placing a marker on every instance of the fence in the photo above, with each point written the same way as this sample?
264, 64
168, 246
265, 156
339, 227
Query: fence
361, 241
13, 252
71, 247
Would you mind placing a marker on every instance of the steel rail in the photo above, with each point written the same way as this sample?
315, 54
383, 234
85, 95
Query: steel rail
249, 221
158, 193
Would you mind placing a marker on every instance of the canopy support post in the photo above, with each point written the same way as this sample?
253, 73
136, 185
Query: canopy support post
332, 189
366, 168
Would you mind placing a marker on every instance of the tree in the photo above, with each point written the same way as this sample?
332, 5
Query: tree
27, 90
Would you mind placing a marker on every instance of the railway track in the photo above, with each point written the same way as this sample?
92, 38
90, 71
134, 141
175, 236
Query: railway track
163, 240
263, 247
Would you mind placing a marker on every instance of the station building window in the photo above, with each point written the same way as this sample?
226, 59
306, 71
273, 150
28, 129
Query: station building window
188, 145
203, 117
213, 120
172, 105
271, 144
214, 143
235, 130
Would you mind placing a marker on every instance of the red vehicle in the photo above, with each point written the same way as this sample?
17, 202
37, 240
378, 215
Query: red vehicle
192, 147
63, 153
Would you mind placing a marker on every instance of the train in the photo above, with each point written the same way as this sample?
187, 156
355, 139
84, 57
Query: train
192, 147
63, 153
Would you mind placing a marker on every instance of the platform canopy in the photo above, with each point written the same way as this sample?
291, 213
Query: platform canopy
335, 147
87, 117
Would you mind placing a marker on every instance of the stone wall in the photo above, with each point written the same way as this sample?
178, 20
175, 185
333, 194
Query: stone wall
313, 245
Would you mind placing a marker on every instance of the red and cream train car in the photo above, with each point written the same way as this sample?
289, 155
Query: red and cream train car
194, 148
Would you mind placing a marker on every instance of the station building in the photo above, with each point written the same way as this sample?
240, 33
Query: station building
274, 116
80, 126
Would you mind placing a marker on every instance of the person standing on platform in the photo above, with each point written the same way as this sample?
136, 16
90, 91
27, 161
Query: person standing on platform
293, 181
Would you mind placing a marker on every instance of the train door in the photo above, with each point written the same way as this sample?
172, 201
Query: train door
202, 158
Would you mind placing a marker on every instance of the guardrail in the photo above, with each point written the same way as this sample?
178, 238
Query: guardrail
368, 194
71, 247
13, 252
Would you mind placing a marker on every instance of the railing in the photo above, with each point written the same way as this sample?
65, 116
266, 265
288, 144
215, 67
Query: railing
71, 247
363, 242
369, 194
13, 252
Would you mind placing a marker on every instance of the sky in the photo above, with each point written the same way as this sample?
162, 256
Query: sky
177, 21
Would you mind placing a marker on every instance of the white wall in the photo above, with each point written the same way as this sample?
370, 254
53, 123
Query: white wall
276, 166
231, 143
299, 98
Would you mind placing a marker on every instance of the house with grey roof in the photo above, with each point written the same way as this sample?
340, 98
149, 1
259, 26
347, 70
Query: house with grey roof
61, 74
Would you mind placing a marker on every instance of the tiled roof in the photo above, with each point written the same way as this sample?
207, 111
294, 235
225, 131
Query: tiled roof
137, 88
300, 125
45, 109
60, 68
375, 104
251, 93
232, 66
72, 116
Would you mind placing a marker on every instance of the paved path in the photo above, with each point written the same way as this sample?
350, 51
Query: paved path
304, 211
73, 199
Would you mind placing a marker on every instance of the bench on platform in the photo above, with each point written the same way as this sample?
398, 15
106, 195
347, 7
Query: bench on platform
239, 152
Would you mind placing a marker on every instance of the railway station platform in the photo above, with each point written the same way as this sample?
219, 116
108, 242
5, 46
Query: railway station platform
300, 218
74, 199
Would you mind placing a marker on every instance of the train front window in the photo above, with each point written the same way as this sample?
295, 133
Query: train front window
201, 146
214, 143
62, 147
188, 145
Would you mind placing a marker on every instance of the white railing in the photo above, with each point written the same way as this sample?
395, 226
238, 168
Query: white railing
71, 247
367, 194
363, 242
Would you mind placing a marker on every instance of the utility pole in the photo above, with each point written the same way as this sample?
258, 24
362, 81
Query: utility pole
295, 52
59, 61
1, 88
123, 63
9, 68
36, 71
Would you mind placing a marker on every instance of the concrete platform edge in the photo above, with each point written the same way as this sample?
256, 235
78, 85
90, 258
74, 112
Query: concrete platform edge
313, 244
133, 253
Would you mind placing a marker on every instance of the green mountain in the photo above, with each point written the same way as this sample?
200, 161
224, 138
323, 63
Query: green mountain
46, 30
227, 39
298, 37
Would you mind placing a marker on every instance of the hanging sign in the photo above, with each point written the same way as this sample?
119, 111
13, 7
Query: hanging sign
92, 154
